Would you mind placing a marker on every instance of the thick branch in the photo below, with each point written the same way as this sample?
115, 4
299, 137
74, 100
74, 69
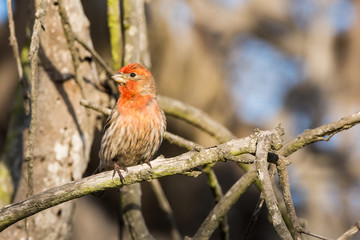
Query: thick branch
131, 208
160, 167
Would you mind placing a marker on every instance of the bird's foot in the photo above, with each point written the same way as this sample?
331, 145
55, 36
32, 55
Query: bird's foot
117, 169
148, 163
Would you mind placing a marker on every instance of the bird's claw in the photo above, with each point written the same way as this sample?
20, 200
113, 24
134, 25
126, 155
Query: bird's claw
117, 169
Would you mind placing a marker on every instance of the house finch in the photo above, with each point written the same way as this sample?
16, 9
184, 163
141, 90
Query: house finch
134, 130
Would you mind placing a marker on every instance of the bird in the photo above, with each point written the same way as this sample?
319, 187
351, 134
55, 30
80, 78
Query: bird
135, 127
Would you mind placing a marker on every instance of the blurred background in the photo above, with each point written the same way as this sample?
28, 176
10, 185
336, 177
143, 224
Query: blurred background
247, 63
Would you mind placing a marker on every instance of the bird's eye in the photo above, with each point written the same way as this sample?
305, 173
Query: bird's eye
132, 74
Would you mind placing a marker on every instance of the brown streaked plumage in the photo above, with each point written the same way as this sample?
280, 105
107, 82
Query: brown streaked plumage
134, 130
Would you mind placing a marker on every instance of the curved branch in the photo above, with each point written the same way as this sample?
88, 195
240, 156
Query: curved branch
195, 117
160, 167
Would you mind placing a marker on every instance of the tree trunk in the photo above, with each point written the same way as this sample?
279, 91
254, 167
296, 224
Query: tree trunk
65, 129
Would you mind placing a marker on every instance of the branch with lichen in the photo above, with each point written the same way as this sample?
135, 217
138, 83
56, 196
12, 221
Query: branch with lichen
161, 167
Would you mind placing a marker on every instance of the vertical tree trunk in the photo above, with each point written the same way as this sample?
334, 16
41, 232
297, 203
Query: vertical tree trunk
64, 128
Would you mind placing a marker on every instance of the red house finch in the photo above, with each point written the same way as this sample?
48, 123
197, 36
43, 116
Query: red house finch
134, 130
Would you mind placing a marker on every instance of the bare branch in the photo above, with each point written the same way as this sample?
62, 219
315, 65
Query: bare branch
131, 212
265, 141
195, 117
34, 67
160, 167
96, 56
93, 106
319, 134
285, 188
34, 62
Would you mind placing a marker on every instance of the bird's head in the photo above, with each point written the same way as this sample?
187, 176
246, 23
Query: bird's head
135, 78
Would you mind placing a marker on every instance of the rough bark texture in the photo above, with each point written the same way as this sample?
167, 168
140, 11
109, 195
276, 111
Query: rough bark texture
64, 129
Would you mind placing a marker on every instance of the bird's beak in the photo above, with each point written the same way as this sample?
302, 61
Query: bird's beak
119, 78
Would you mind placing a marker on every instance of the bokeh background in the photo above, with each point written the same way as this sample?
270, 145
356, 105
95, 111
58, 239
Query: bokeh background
248, 64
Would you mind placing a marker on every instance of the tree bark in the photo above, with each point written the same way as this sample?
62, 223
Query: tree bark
65, 129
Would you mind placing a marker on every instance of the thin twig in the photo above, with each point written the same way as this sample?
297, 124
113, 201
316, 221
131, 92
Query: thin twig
319, 134
254, 217
95, 107
96, 56
181, 142
13, 40
195, 117
34, 66
165, 207
70, 39
218, 195
315, 235
285, 188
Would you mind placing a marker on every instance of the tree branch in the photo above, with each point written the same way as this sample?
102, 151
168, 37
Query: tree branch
96, 56
160, 167
285, 189
196, 118
34, 65
131, 212
265, 141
